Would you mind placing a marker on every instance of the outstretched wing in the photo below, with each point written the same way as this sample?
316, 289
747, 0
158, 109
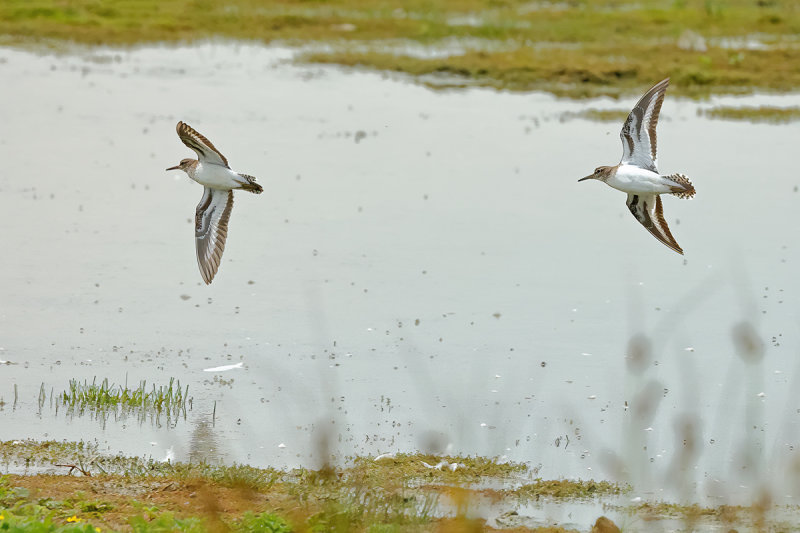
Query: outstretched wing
648, 210
206, 152
639, 131
211, 230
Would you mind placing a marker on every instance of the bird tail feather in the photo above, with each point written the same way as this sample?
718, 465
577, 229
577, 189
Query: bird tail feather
251, 185
683, 187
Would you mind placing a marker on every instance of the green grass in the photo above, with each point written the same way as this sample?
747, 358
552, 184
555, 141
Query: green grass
262, 522
20, 512
575, 49
769, 114
100, 398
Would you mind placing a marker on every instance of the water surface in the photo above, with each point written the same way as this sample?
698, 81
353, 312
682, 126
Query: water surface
423, 272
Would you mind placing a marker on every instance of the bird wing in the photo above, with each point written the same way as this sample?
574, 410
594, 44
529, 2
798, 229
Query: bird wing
639, 131
648, 211
211, 229
206, 152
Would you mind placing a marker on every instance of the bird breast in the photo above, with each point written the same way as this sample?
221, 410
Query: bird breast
637, 180
215, 176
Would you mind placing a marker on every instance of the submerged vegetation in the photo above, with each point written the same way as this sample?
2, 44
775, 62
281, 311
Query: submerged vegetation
575, 49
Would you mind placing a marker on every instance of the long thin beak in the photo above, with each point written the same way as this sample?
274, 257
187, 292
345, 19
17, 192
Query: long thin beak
587, 178
177, 167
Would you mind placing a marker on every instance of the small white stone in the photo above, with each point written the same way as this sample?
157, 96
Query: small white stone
389, 455
224, 368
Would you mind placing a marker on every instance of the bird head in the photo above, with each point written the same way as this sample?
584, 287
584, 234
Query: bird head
184, 165
600, 173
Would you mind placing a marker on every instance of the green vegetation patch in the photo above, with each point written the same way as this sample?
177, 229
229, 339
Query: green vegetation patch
262, 522
769, 114
88, 459
393, 494
590, 70
446, 469
104, 398
575, 49
566, 489
754, 516
21, 510
597, 115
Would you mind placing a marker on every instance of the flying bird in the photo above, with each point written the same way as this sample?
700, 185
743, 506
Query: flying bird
637, 174
211, 170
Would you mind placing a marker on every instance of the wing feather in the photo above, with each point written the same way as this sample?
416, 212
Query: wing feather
206, 152
647, 209
211, 230
639, 131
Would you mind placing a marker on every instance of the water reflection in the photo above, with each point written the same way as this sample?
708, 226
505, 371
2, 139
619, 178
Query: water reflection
203, 444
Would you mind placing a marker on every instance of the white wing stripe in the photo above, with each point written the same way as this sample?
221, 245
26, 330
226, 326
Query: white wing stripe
211, 230
647, 209
639, 131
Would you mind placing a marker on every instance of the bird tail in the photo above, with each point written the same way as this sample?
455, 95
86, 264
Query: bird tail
683, 187
251, 185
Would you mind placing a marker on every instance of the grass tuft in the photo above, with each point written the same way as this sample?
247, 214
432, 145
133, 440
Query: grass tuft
104, 398
566, 489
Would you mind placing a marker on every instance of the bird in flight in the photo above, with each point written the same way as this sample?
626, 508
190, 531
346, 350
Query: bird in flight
637, 174
211, 170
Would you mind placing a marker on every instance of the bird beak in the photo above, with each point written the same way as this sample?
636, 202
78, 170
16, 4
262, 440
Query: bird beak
177, 167
587, 178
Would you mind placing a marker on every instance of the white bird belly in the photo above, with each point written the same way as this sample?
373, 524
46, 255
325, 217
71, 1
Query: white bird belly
216, 176
637, 180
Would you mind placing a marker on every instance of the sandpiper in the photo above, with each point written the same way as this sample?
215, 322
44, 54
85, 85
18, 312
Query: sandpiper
214, 210
636, 173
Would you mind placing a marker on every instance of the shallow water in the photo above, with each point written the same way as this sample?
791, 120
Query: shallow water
423, 271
